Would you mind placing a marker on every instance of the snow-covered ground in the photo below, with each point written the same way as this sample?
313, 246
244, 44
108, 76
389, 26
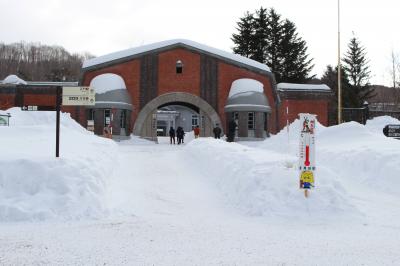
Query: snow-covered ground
207, 202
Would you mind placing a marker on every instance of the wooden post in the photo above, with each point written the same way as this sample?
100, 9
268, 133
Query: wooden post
58, 109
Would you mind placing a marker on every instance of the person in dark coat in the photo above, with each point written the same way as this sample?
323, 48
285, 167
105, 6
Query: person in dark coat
171, 135
231, 130
180, 135
217, 132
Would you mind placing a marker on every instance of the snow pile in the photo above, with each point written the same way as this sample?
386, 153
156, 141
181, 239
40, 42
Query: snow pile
377, 124
362, 154
356, 153
261, 178
287, 140
264, 183
13, 79
34, 185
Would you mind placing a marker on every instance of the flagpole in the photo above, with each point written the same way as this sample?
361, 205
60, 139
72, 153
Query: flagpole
339, 71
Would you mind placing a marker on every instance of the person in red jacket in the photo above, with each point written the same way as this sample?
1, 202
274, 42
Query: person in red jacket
196, 132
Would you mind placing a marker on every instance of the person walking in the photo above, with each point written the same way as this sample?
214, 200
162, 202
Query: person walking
217, 131
180, 134
196, 132
171, 135
231, 130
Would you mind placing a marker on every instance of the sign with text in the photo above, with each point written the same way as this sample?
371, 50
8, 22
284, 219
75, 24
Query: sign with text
78, 96
306, 164
392, 131
29, 108
38, 108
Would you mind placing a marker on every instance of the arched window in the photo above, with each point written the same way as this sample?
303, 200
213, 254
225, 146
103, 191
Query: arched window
179, 67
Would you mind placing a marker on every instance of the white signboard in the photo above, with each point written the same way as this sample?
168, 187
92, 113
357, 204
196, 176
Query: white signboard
29, 108
306, 164
78, 96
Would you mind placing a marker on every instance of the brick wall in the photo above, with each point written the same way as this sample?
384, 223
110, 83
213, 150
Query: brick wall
188, 81
6, 101
318, 107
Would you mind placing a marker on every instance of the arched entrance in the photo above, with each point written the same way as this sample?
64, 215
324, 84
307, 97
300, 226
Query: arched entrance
146, 122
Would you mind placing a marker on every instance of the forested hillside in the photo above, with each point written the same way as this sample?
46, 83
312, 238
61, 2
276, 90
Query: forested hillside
39, 62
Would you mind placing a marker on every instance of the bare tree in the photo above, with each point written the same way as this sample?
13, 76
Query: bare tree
395, 68
34, 61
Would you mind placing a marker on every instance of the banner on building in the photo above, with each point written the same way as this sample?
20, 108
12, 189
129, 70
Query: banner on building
306, 164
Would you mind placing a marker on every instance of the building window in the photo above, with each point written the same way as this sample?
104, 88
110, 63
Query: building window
195, 121
250, 121
107, 117
179, 67
122, 120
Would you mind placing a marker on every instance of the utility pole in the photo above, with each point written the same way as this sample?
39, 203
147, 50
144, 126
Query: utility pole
339, 71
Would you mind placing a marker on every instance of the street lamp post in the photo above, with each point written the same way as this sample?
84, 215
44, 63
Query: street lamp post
339, 71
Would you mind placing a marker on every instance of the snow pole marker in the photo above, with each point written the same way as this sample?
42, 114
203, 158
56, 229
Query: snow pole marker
306, 163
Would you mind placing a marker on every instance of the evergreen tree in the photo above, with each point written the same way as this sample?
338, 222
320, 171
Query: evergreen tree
274, 53
330, 78
244, 38
274, 42
357, 69
259, 40
296, 66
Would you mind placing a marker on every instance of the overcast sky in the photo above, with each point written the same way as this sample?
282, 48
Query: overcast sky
102, 27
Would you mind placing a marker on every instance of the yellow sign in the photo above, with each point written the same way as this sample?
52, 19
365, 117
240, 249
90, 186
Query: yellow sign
306, 179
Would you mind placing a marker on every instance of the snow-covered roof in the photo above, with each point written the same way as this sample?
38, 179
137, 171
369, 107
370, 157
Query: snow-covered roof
13, 79
245, 85
107, 82
302, 87
158, 45
247, 95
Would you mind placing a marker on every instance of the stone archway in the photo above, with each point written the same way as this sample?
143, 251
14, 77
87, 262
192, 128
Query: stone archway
146, 122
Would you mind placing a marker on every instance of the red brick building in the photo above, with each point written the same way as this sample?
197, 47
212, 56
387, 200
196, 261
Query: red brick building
132, 85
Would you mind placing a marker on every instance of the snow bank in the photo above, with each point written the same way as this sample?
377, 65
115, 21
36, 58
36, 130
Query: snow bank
260, 178
357, 153
34, 185
377, 124
362, 154
265, 183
